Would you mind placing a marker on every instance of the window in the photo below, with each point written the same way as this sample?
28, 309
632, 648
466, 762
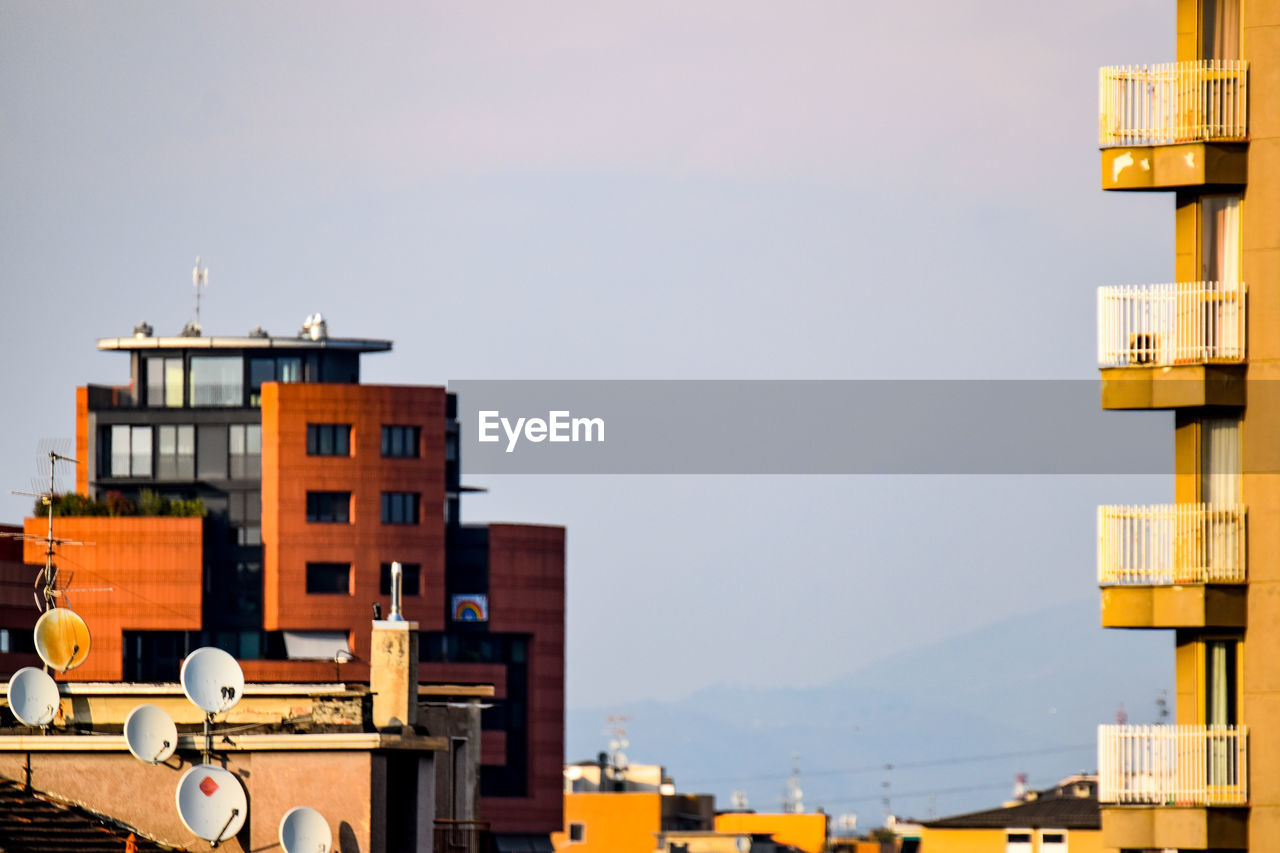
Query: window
281, 369
217, 380
1220, 238
399, 508
1054, 841
1220, 29
175, 452
328, 439
411, 579
329, 507
400, 441
244, 511
1018, 841
211, 452
1220, 461
245, 445
328, 578
164, 381
130, 451
577, 831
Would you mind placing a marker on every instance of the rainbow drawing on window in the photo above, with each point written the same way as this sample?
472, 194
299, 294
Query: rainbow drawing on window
471, 608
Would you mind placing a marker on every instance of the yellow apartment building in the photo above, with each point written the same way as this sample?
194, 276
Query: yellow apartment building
1061, 819
1206, 129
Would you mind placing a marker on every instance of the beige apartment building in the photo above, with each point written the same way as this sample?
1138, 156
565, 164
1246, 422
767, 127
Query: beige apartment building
1206, 129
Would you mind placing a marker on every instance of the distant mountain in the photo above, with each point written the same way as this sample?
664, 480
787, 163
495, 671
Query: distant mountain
957, 719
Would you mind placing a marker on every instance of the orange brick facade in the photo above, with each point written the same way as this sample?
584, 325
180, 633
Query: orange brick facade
288, 473
130, 574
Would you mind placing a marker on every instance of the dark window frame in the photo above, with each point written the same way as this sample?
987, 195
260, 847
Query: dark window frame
329, 440
401, 508
328, 579
328, 507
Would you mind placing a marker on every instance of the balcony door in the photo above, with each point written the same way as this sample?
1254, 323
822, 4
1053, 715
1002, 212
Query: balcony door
1220, 490
1221, 712
1220, 29
1220, 327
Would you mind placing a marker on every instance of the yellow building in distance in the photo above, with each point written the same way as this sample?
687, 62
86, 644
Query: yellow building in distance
1061, 819
1205, 128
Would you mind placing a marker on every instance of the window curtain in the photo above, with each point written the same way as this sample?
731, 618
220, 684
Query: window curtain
1220, 27
1220, 239
1220, 461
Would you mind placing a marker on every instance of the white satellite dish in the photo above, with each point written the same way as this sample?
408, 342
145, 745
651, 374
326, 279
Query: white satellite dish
212, 803
150, 734
33, 697
304, 830
212, 679
62, 639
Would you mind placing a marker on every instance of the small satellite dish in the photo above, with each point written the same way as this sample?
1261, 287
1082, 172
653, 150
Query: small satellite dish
150, 734
212, 679
212, 803
62, 639
33, 697
304, 830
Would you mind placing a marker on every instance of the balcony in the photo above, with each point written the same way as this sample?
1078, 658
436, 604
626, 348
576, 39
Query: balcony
1172, 566
1178, 124
1183, 787
1164, 346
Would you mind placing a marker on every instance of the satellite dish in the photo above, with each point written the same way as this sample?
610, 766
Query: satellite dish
212, 679
212, 803
150, 734
33, 697
62, 639
304, 830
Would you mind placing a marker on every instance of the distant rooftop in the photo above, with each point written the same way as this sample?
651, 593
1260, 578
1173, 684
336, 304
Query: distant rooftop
1071, 804
139, 342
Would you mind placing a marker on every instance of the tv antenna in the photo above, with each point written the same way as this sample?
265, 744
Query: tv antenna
793, 796
47, 592
618, 741
199, 279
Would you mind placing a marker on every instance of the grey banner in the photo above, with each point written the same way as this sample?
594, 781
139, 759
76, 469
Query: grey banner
804, 427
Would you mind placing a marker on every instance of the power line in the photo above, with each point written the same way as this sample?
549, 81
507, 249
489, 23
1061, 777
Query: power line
907, 765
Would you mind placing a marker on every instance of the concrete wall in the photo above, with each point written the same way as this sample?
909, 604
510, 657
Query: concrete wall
338, 784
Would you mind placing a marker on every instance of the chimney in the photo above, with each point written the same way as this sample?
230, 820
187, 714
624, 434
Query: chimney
393, 667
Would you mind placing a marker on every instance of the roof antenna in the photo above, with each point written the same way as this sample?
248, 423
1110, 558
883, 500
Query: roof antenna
199, 279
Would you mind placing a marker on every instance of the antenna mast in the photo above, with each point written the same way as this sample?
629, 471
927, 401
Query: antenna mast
50, 573
199, 279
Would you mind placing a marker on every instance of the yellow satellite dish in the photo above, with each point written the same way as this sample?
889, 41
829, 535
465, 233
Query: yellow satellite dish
62, 639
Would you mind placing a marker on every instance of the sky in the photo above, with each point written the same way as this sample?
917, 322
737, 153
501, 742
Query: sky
728, 189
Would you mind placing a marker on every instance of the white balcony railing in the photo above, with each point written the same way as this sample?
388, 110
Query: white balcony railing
1173, 765
1185, 323
1171, 544
1174, 102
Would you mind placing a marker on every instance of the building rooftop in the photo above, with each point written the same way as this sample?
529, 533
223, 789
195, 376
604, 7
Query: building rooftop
140, 342
30, 822
1072, 804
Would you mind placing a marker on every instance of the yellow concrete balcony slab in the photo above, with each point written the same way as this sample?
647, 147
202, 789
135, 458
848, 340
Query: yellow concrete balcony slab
1171, 167
1173, 386
1174, 828
1208, 606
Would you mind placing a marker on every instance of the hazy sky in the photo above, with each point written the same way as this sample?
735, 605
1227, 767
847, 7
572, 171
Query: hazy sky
720, 189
